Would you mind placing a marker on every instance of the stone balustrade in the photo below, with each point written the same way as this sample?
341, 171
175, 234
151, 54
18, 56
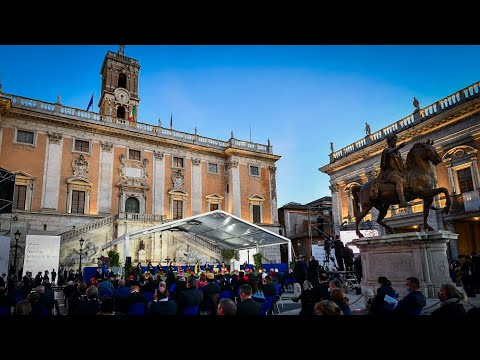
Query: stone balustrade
110, 121
447, 103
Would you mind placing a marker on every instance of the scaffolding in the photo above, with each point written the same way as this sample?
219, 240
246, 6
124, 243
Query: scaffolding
324, 220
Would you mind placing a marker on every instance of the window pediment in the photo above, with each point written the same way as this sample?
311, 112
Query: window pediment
459, 154
79, 180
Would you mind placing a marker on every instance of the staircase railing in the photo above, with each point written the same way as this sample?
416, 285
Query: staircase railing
72, 234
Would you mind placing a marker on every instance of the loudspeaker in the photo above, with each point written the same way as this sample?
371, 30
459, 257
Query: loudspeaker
128, 261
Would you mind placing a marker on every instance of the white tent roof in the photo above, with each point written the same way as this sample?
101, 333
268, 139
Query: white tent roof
217, 227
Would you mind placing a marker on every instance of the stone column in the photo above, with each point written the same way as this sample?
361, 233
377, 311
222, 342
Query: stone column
273, 193
158, 183
453, 244
336, 204
234, 188
51, 176
451, 180
474, 171
196, 181
105, 178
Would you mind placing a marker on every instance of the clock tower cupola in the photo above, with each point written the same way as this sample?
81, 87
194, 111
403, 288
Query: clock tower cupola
119, 93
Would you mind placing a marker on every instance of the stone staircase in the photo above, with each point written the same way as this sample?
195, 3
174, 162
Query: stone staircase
73, 234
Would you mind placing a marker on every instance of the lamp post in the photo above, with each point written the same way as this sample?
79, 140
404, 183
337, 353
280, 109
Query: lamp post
248, 256
80, 265
17, 237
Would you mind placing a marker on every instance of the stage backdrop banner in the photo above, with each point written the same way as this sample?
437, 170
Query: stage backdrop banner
4, 254
41, 253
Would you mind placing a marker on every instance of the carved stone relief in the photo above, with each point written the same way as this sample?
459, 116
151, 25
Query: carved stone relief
80, 166
178, 180
232, 164
196, 161
106, 146
54, 137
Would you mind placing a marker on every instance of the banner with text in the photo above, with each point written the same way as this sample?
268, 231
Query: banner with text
4, 254
41, 253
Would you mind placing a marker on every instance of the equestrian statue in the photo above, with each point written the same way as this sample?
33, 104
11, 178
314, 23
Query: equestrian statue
398, 183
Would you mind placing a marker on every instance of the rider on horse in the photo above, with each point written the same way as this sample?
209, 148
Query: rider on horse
392, 169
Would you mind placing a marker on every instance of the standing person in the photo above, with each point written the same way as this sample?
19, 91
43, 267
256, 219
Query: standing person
45, 276
357, 263
348, 258
338, 246
300, 271
54, 276
150, 268
414, 302
467, 276
313, 268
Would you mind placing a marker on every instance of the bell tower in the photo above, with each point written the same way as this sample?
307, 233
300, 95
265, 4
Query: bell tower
119, 92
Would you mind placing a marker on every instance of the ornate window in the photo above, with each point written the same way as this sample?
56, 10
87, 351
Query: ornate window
23, 193
78, 195
462, 169
256, 208
214, 202
178, 202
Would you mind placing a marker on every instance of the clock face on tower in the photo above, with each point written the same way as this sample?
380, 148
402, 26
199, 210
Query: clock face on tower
122, 95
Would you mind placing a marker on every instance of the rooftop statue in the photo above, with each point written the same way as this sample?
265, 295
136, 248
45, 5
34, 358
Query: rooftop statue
398, 183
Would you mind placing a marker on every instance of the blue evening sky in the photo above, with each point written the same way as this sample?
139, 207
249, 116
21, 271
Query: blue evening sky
299, 97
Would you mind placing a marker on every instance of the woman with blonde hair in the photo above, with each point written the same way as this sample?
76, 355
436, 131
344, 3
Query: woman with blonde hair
327, 307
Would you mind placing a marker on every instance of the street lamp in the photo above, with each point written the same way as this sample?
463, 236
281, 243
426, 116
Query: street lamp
248, 256
80, 266
17, 237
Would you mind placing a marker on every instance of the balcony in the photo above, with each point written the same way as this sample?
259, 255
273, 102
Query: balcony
466, 202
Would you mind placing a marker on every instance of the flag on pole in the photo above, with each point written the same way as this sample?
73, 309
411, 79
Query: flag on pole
90, 103
171, 121
133, 112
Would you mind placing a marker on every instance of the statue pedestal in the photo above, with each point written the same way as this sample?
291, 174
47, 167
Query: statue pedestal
142, 256
398, 256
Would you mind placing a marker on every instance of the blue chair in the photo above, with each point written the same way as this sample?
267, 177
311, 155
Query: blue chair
5, 311
191, 310
149, 296
227, 294
138, 309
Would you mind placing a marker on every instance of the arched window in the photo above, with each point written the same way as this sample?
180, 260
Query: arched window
121, 112
122, 80
132, 205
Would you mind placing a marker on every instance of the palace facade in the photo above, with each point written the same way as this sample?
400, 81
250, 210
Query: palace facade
81, 174
453, 123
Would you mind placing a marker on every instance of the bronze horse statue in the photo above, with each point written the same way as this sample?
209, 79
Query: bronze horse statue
419, 182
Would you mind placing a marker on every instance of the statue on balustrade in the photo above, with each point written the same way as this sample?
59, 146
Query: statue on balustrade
368, 131
399, 182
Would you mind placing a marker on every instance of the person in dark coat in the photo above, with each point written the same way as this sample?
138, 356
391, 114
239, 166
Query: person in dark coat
313, 268
54, 276
161, 305
379, 306
414, 302
338, 247
248, 306
91, 306
348, 258
211, 295
300, 271
451, 305
357, 263
467, 276
191, 296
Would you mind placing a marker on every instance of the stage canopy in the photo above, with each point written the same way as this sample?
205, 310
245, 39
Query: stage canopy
217, 227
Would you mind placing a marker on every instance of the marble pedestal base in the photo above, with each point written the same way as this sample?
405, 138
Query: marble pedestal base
398, 256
